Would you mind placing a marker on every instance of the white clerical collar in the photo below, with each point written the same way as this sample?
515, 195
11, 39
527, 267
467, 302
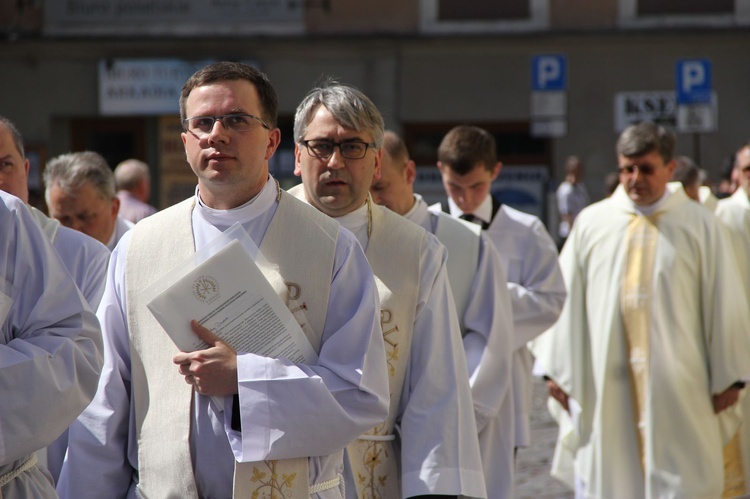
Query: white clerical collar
244, 213
358, 221
112, 239
483, 212
417, 210
654, 207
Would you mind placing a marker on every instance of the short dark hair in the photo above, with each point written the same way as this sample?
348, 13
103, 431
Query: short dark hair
231, 71
646, 137
686, 172
465, 146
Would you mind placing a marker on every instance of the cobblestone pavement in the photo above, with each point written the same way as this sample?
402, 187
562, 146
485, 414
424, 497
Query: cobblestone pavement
533, 480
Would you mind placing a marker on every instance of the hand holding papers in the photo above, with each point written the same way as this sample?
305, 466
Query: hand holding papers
229, 294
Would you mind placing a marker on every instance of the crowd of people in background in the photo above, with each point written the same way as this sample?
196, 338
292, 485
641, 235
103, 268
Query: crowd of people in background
427, 322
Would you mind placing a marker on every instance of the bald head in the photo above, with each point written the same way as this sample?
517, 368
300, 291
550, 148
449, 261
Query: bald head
134, 176
395, 188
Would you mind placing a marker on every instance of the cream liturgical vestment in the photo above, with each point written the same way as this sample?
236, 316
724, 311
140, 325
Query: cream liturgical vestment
433, 444
284, 410
643, 356
50, 344
734, 213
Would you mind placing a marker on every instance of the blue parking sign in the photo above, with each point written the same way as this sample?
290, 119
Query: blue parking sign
693, 81
549, 72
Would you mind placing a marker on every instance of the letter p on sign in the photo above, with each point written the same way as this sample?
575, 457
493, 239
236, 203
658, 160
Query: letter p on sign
549, 72
694, 81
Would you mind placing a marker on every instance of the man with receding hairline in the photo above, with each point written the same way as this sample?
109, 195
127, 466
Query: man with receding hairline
133, 182
483, 304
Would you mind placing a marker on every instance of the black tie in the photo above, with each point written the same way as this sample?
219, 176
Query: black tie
471, 218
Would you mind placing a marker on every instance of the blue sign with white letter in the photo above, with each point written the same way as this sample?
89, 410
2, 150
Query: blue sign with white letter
549, 72
693, 81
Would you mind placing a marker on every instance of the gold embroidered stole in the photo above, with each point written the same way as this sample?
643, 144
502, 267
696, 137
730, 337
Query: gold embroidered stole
734, 476
162, 400
635, 305
393, 251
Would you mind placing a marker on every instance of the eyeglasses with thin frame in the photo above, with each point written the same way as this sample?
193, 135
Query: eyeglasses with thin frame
201, 126
641, 169
323, 149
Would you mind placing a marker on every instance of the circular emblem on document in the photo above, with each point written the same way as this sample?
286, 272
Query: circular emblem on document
205, 288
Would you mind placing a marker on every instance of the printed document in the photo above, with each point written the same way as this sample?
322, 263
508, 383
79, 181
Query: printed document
230, 295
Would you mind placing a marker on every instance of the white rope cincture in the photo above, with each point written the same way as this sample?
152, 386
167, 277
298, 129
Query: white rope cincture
10, 476
327, 485
377, 438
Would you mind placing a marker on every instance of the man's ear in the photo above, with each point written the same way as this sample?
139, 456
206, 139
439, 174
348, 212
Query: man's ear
297, 164
378, 164
410, 170
496, 170
274, 139
115, 206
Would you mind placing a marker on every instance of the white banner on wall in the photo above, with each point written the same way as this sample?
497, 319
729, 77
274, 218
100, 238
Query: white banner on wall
634, 107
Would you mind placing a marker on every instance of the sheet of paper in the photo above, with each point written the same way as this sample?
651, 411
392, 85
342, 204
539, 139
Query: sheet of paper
228, 294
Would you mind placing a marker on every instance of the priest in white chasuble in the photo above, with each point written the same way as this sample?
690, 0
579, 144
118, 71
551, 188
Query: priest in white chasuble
734, 213
428, 444
651, 343
483, 303
279, 428
50, 351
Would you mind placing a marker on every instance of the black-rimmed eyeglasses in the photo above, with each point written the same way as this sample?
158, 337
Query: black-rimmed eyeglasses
323, 149
240, 122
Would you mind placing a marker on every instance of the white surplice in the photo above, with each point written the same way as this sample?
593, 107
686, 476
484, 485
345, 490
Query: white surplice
734, 213
707, 198
488, 345
438, 436
86, 260
697, 343
50, 348
321, 406
121, 227
537, 292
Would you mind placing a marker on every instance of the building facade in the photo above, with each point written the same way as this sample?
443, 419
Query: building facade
547, 78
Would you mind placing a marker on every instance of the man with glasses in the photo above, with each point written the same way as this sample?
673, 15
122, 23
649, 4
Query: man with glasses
650, 345
154, 428
428, 445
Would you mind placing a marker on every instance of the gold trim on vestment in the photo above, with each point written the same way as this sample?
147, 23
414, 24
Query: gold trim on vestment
635, 306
